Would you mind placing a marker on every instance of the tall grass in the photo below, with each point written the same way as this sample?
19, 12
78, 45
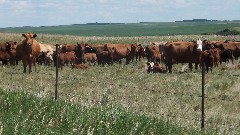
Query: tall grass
144, 40
25, 114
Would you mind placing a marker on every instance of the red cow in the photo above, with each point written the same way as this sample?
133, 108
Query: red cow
66, 58
182, 52
28, 51
80, 66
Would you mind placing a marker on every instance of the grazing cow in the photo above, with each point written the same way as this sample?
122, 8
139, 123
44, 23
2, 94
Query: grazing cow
216, 55
104, 57
228, 50
102, 52
153, 53
120, 51
140, 52
48, 53
89, 57
90, 49
11, 49
28, 51
100, 48
66, 58
182, 52
207, 58
68, 48
80, 66
40, 58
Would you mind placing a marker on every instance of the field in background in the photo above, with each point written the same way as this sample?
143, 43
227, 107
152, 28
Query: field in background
131, 29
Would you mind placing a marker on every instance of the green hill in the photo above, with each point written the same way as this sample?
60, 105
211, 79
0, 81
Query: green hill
130, 29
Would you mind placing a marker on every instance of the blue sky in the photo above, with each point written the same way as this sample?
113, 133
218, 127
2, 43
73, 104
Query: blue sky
15, 13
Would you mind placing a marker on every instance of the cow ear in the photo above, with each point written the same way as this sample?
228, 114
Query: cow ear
15, 43
35, 35
7, 43
24, 35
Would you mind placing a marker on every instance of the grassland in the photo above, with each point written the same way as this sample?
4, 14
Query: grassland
131, 29
173, 98
22, 113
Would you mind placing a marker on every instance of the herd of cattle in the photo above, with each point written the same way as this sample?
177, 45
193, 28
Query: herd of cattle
79, 55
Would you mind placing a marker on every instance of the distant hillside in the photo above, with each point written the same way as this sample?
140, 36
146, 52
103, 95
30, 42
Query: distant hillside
130, 29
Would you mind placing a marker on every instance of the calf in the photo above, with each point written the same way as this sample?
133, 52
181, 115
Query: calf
155, 68
65, 58
104, 57
216, 55
207, 58
80, 66
89, 57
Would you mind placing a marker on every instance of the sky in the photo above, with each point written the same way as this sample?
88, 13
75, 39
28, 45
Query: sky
18, 13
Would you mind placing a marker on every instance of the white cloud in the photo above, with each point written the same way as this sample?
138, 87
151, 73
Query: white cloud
2, 1
56, 12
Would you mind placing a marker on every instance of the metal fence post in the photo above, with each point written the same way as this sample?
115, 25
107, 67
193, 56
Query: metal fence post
203, 79
56, 83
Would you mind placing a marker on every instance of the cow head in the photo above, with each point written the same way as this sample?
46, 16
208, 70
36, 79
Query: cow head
199, 44
11, 46
29, 38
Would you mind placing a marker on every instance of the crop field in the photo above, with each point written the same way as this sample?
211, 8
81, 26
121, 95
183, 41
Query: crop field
131, 29
174, 98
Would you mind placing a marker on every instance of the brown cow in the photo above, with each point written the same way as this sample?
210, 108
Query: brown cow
155, 68
11, 49
182, 52
228, 49
68, 48
216, 55
140, 52
120, 51
28, 51
153, 53
80, 66
66, 58
89, 57
4, 57
207, 58
104, 57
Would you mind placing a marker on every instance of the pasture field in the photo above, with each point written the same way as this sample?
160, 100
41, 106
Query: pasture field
131, 29
174, 98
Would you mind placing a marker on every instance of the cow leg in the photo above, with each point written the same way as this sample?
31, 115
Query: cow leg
190, 66
207, 68
169, 65
30, 67
196, 66
128, 60
34, 64
232, 60
24, 66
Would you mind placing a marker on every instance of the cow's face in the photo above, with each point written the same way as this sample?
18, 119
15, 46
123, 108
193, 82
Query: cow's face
134, 48
199, 44
81, 47
29, 38
139, 48
11, 45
